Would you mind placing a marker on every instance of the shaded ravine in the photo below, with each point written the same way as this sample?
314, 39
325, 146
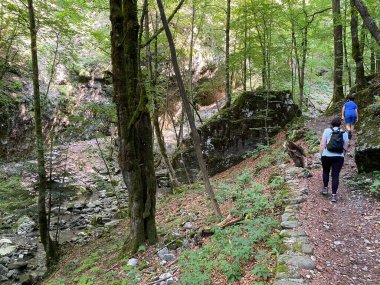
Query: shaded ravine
346, 235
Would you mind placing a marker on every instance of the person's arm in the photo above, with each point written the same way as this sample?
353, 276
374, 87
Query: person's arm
357, 115
343, 111
346, 142
322, 144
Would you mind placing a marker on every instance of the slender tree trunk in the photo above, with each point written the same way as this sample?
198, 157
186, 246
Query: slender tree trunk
156, 124
51, 248
245, 49
161, 144
347, 65
134, 125
357, 55
194, 131
377, 60
227, 76
368, 21
190, 83
338, 52
373, 59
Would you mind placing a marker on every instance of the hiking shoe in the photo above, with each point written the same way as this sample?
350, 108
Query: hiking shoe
325, 191
333, 198
349, 135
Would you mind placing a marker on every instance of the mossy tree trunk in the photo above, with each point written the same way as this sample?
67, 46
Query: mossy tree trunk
357, 55
338, 51
134, 125
51, 247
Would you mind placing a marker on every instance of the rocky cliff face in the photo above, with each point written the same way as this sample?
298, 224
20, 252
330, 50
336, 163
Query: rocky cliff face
367, 151
253, 119
78, 106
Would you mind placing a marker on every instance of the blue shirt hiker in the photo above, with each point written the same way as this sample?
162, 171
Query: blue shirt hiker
350, 114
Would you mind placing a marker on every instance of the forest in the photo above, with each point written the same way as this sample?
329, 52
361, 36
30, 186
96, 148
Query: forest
184, 142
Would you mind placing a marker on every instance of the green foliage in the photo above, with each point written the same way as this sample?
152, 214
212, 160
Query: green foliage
87, 263
312, 141
231, 247
374, 108
367, 183
295, 130
13, 195
261, 269
375, 186
256, 153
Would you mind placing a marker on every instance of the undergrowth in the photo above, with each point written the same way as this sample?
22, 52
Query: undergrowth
230, 248
13, 195
367, 183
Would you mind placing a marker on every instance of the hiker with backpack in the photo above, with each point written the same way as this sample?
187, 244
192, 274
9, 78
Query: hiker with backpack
350, 114
333, 146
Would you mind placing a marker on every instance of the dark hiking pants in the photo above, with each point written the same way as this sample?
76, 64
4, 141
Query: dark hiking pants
335, 164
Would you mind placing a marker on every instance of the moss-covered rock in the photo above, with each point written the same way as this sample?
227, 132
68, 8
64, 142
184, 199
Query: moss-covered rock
228, 135
367, 151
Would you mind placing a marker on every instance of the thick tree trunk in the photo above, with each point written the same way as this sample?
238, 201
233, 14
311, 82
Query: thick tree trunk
357, 55
186, 104
338, 52
51, 248
228, 83
134, 125
368, 21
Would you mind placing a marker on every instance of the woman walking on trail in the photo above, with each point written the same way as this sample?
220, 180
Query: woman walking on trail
333, 146
350, 114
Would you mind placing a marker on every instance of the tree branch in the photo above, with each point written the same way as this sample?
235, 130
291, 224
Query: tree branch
368, 21
160, 30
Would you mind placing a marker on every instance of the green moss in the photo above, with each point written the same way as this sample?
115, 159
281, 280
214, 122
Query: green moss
297, 247
282, 268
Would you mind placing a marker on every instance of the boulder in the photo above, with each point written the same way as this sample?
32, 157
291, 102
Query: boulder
234, 131
367, 151
25, 225
6, 247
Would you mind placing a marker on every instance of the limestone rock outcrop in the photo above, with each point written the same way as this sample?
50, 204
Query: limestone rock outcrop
252, 119
367, 151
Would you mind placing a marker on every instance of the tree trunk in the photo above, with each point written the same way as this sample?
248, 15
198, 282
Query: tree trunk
373, 61
368, 21
338, 52
153, 79
186, 104
357, 55
228, 84
347, 65
161, 144
245, 49
190, 83
51, 248
134, 125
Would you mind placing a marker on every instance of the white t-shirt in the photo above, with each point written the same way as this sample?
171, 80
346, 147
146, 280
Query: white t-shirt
327, 135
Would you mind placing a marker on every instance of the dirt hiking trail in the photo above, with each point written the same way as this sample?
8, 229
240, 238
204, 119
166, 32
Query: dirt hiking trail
346, 235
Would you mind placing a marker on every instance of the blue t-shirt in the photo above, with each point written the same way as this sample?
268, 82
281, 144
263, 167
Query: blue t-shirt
350, 108
327, 135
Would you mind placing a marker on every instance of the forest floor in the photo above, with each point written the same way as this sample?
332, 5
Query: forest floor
346, 234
